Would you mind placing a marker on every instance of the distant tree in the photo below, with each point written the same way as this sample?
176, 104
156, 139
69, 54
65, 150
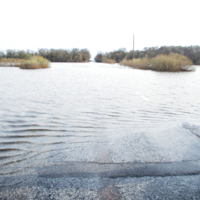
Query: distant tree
2, 54
99, 57
74, 55
129, 55
21, 55
43, 52
61, 55
116, 56
10, 53
85, 55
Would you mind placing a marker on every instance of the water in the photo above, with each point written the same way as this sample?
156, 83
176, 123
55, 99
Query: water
65, 112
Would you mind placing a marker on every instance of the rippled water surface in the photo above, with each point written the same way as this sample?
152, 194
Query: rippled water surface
58, 112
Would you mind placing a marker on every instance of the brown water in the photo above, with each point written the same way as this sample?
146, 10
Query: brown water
60, 112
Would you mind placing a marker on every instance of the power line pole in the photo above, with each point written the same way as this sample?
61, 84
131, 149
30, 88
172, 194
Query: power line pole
133, 43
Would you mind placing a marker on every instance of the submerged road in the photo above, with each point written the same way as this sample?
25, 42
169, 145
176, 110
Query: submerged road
156, 163
99, 131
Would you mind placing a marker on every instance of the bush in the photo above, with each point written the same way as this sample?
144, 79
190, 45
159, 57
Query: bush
198, 62
173, 62
11, 62
99, 57
111, 57
36, 62
137, 63
109, 61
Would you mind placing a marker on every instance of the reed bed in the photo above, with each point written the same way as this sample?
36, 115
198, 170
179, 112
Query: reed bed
36, 62
11, 62
109, 61
171, 63
174, 62
137, 63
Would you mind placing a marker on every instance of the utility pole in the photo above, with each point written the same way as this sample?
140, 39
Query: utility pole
133, 43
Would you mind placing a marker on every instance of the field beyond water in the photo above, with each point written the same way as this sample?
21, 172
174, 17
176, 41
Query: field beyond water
99, 131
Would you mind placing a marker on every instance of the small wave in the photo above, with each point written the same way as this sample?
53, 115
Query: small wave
3, 150
29, 136
44, 130
22, 125
14, 121
17, 155
22, 136
17, 142
88, 127
54, 143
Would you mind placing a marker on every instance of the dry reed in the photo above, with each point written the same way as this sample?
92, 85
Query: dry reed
137, 63
36, 62
172, 63
11, 62
109, 61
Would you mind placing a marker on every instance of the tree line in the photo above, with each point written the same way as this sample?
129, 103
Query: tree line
192, 52
83, 55
17, 54
53, 55
63, 55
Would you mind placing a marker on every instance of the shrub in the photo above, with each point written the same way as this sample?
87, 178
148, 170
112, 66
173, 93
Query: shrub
111, 57
11, 62
136, 63
99, 57
36, 62
198, 62
173, 62
109, 61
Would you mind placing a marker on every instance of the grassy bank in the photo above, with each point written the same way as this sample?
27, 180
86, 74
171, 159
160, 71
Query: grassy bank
36, 62
173, 63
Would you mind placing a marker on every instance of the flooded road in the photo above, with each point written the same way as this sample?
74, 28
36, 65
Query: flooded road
98, 122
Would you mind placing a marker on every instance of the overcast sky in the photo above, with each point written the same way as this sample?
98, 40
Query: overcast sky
98, 25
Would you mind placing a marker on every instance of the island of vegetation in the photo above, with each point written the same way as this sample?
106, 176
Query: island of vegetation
35, 62
165, 58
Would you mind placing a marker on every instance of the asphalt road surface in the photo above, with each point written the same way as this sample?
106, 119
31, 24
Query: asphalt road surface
145, 163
